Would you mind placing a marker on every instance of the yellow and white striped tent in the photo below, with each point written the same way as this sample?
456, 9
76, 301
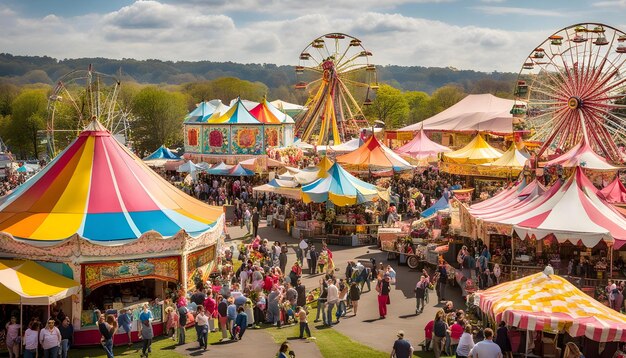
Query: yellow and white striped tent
26, 282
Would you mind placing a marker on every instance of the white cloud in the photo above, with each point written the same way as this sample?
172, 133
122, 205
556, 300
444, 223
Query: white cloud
610, 3
504, 10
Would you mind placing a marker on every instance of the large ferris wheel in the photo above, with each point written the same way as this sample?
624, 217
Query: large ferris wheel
79, 97
572, 87
336, 72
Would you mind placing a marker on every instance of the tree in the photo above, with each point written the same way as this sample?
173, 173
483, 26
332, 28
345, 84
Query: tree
446, 97
27, 120
159, 117
390, 106
419, 108
225, 89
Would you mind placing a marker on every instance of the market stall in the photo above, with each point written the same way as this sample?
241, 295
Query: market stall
101, 211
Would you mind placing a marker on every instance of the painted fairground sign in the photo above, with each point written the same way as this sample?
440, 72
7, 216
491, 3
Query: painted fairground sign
247, 140
273, 136
198, 265
215, 139
104, 273
192, 138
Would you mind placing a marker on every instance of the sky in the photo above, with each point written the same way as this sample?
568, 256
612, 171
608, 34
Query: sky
481, 35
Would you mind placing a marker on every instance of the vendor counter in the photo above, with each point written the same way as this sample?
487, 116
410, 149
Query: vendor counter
353, 234
90, 335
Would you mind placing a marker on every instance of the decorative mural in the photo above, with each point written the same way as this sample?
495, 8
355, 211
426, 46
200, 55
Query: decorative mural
215, 139
192, 137
104, 273
247, 140
198, 266
273, 136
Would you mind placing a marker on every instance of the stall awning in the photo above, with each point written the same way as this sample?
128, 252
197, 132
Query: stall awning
29, 283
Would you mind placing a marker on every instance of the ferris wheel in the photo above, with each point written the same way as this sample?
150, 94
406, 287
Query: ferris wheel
336, 73
573, 86
78, 98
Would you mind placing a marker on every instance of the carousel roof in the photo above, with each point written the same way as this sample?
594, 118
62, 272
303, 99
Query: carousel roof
478, 151
201, 114
582, 155
476, 112
341, 188
421, 147
99, 190
549, 302
374, 153
614, 193
237, 114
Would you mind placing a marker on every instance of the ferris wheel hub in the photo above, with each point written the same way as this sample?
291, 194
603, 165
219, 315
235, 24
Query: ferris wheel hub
574, 102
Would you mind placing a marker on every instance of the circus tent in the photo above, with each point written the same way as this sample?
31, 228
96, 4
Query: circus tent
478, 151
341, 188
542, 302
476, 112
203, 111
512, 199
236, 114
512, 158
511, 191
614, 193
422, 148
374, 154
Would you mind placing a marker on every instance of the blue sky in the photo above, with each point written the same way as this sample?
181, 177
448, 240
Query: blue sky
485, 35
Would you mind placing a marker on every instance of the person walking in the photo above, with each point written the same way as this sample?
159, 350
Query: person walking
383, 289
255, 222
182, 321
301, 291
124, 320
146, 330
401, 347
503, 341
202, 328
106, 338
222, 316
241, 323
321, 301
313, 255
304, 248
441, 283
331, 301
486, 348
420, 293
67, 336
31, 340
355, 296
466, 343
282, 258
440, 331
304, 323
50, 340
247, 217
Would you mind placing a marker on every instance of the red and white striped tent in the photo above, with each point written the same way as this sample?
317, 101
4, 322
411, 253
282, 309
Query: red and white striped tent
550, 302
582, 155
512, 198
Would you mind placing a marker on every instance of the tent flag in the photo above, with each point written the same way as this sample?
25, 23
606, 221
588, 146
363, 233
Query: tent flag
99, 190
26, 282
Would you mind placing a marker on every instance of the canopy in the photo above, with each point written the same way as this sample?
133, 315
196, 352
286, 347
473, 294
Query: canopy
614, 193
219, 169
341, 188
201, 114
25, 169
162, 154
582, 155
374, 154
324, 166
189, 167
239, 171
309, 175
349, 146
441, 204
26, 282
237, 114
553, 213
512, 158
510, 199
97, 189
478, 151
476, 112
541, 302
263, 113
289, 108
422, 148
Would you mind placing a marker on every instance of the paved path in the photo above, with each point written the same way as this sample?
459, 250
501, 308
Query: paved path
366, 327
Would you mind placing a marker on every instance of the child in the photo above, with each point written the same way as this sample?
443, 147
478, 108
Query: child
172, 322
289, 313
304, 324
241, 323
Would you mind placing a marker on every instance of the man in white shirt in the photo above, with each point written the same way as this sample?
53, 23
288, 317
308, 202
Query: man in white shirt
331, 300
303, 248
486, 348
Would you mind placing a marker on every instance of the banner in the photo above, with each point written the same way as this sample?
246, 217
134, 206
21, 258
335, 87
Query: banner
192, 138
198, 266
479, 170
99, 274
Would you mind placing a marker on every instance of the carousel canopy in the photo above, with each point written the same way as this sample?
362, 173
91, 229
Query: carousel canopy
421, 147
341, 188
614, 193
552, 213
26, 282
374, 154
582, 155
97, 189
162, 153
550, 302
512, 158
237, 114
201, 114
478, 151
476, 112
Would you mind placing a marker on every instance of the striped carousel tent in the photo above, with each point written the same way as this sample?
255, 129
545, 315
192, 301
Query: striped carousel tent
550, 302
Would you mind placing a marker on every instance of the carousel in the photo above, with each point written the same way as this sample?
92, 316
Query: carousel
113, 225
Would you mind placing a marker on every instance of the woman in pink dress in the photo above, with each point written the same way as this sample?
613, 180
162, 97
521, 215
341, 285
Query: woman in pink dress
13, 337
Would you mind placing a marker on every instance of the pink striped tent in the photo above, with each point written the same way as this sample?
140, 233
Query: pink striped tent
614, 193
540, 302
582, 155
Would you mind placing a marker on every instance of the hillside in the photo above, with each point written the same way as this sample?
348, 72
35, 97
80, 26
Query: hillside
22, 70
